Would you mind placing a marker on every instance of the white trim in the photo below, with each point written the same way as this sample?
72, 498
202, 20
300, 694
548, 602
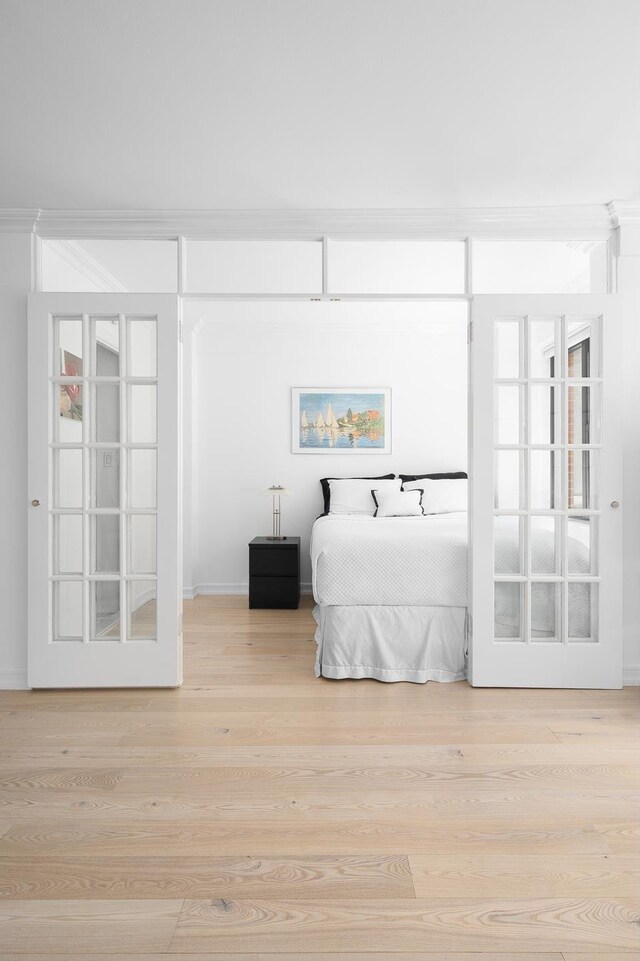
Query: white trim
90, 268
18, 219
631, 675
189, 593
624, 213
13, 680
585, 222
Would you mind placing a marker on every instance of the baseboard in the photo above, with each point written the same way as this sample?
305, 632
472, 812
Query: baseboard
189, 593
13, 680
631, 675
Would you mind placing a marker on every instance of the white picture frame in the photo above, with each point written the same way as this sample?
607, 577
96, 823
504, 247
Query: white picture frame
341, 420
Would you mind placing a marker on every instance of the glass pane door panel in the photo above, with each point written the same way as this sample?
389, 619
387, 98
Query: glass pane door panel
142, 414
544, 479
546, 544
105, 478
142, 538
583, 348
67, 478
507, 350
583, 479
543, 349
508, 544
583, 611
508, 610
142, 479
583, 420
106, 346
142, 358
68, 544
142, 610
508, 493
105, 544
67, 610
546, 611
508, 414
105, 610
106, 413
582, 545
544, 423
68, 347
68, 413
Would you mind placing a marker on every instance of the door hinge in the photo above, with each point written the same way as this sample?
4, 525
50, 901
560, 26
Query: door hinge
469, 331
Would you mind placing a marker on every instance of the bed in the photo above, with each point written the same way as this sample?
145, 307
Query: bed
391, 594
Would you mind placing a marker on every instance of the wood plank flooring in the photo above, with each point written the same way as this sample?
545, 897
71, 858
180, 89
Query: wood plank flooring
262, 814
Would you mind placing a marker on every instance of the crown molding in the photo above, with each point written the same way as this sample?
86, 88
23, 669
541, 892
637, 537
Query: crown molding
18, 220
566, 223
624, 213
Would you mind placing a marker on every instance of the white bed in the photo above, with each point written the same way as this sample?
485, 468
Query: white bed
391, 594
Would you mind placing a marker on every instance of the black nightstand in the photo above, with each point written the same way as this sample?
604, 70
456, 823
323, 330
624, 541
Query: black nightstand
274, 572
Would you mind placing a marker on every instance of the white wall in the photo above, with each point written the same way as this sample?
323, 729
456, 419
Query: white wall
15, 276
248, 356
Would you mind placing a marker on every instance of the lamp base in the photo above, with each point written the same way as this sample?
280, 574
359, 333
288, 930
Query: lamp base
276, 537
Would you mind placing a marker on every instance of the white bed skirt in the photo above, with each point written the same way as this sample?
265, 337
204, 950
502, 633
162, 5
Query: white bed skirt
416, 644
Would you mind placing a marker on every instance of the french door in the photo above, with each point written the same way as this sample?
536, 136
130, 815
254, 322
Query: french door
104, 483
546, 513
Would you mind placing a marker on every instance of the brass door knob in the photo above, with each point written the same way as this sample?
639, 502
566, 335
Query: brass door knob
35, 503
615, 505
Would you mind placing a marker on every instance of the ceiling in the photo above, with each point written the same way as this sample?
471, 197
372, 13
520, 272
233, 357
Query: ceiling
288, 104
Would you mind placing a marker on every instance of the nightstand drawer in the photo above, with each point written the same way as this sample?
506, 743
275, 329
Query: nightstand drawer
274, 591
270, 562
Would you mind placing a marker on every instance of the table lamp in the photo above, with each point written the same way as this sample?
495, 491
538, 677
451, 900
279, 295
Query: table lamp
276, 491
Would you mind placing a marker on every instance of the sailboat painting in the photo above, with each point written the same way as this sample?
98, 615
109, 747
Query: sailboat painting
341, 420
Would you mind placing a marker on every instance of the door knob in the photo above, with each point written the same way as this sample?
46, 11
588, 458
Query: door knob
615, 505
35, 503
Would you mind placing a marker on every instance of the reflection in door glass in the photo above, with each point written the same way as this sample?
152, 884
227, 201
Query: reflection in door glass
67, 610
508, 608
142, 360
142, 610
507, 349
68, 360
105, 610
105, 478
107, 412
546, 611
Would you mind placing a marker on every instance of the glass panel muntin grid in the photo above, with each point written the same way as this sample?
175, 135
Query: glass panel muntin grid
567, 333
86, 377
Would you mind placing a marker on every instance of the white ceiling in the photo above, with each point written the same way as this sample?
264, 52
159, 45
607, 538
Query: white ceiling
318, 103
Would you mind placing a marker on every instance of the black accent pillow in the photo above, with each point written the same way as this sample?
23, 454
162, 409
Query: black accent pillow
454, 475
326, 489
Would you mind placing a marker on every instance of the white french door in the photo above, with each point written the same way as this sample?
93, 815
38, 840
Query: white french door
104, 485
546, 469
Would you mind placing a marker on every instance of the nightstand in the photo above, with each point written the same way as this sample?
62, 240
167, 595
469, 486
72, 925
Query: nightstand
274, 572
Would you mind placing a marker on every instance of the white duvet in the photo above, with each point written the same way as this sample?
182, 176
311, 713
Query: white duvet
398, 561
422, 562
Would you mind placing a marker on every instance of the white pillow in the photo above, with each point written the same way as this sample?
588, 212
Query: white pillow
392, 503
351, 496
441, 496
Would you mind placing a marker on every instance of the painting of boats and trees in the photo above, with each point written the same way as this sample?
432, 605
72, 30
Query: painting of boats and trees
350, 420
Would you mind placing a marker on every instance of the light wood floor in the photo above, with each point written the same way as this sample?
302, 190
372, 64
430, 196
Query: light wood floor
261, 813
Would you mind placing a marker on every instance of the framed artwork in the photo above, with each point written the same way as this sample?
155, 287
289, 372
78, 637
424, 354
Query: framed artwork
341, 420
